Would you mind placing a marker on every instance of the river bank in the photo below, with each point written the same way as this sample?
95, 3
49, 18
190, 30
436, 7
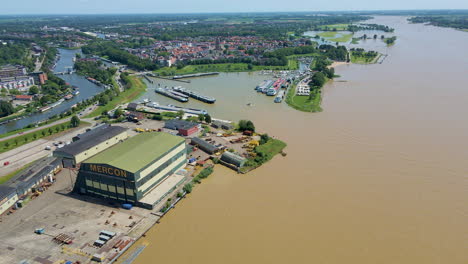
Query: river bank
378, 177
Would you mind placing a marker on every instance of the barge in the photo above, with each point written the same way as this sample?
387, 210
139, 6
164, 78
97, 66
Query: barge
168, 93
203, 98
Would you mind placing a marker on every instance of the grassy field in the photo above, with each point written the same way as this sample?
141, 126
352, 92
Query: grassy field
355, 41
363, 59
343, 38
12, 143
224, 67
138, 87
303, 103
335, 26
266, 151
327, 34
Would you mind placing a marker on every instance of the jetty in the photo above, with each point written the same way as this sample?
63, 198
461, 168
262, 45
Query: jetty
194, 75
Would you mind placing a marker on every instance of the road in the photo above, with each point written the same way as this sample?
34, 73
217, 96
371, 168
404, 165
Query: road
35, 150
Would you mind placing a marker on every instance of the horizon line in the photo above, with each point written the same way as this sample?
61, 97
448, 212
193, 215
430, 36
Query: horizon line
235, 12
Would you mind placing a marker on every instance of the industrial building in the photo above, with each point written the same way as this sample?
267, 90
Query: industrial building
90, 143
185, 128
27, 181
8, 198
203, 145
142, 170
233, 159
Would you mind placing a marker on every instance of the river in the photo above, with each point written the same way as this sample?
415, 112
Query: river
380, 176
86, 88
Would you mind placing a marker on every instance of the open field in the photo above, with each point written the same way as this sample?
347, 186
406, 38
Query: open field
224, 67
327, 34
343, 38
364, 59
302, 102
335, 26
138, 87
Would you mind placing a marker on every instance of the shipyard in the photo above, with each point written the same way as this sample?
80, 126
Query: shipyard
98, 193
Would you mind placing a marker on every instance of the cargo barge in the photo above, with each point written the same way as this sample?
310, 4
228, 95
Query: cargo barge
203, 98
166, 92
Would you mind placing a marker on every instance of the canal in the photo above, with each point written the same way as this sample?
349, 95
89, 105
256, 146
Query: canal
86, 88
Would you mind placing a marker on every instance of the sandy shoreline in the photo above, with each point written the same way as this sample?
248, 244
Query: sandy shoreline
338, 63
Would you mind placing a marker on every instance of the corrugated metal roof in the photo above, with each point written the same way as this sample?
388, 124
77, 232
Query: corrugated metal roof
91, 139
204, 145
135, 153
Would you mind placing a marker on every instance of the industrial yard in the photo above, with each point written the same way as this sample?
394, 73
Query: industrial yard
100, 192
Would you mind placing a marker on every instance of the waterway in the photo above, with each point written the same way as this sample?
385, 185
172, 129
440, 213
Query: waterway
380, 176
86, 88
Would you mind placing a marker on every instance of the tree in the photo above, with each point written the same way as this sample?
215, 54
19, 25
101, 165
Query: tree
201, 117
43, 133
208, 118
103, 100
188, 188
75, 121
50, 131
318, 79
264, 139
7, 144
35, 136
375, 36
180, 114
6, 108
118, 112
26, 139
16, 141
33, 90
245, 125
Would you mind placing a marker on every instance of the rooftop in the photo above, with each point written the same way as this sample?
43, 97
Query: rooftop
176, 124
135, 153
91, 139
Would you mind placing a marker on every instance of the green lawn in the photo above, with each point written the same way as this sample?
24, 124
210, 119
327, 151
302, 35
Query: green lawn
355, 41
302, 102
223, 67
343, 38
138, 87
363, 59
327, 34
264, 153
271, 148
12, 143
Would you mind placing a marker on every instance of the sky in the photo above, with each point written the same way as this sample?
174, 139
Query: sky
206, 6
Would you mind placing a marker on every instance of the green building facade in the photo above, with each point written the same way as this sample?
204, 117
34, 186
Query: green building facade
128, 171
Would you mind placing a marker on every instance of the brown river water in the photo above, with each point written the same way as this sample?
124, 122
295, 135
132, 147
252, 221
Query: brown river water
380, 176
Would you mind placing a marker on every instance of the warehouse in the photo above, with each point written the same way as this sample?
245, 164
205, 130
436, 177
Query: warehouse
141, 170
185, 128
233, 159
203, 145
8, 198
90, 143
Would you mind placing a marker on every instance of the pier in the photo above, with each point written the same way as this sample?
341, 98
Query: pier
194, 75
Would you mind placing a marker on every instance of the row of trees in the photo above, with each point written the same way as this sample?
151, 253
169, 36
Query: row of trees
113, 52
95, 69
